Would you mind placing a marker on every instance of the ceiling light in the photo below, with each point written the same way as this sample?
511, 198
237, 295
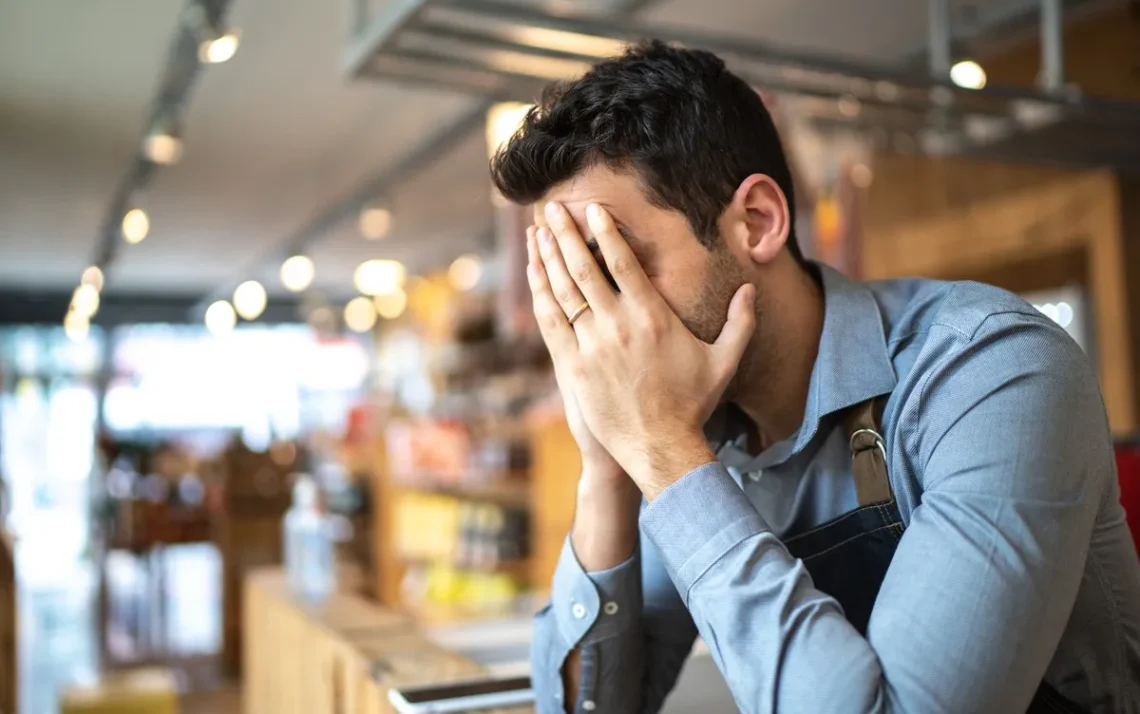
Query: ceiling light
297, 273
85, 301
250, 299
503, 122
376, 277
465, 272
136, 225
76, 326
391, 305
375, 222
360, 314
93, 276
220, 49
220, 318
163, 142
968, 74
214, 43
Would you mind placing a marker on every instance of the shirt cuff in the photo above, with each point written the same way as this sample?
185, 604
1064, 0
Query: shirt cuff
697, 520
590, 607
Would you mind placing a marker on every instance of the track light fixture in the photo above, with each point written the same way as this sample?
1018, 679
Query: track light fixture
163, 141
215, 43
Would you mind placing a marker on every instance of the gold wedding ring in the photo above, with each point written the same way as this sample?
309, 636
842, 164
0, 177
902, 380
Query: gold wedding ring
579, 312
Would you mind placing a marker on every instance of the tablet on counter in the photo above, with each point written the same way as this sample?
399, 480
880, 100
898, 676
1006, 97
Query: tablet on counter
466, 696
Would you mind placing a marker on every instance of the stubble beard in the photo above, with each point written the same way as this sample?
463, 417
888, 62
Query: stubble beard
707, 317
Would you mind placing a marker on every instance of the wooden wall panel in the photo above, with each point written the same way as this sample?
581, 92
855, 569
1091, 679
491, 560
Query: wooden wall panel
1130, 211
950, 218
1102, 55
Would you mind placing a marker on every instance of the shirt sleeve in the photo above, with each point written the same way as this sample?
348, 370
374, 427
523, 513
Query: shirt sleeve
1012, 443
630, 626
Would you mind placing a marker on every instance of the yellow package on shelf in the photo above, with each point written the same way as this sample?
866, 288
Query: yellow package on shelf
139, 691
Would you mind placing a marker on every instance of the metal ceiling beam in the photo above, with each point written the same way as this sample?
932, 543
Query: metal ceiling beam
179, 75
1052, 46
497, 41
371, 53
938, 39
372, 35
20, 307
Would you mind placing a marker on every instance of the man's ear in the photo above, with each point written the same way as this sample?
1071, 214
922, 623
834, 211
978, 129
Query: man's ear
757, 220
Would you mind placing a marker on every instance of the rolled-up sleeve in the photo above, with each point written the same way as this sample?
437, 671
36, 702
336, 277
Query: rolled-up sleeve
1008, 432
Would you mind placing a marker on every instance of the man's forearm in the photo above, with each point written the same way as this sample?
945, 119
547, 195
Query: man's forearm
605, 521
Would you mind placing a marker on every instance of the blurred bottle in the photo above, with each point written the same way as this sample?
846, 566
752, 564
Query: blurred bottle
309, 566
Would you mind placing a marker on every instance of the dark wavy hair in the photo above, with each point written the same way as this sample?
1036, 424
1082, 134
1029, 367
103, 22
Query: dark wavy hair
690, 130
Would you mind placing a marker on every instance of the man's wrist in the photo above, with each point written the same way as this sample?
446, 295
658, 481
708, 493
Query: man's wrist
663, 463
605, 529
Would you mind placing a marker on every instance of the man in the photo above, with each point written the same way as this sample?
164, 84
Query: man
888, 497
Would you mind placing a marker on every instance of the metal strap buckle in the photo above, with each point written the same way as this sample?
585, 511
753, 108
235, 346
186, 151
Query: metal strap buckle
878, 443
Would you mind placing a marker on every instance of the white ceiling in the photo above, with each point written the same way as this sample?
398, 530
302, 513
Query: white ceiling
277, 134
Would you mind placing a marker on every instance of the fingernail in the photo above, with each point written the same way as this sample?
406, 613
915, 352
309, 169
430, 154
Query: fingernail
594, 212
552, 211
544, 235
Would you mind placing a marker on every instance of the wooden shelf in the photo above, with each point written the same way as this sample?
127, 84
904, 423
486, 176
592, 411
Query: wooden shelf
520, 568
510, 493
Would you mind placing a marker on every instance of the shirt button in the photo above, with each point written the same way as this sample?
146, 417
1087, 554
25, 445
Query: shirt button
755, 476
589, 705
579, 610
611, 608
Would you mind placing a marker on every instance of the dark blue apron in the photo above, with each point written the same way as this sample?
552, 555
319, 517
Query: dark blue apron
849, 555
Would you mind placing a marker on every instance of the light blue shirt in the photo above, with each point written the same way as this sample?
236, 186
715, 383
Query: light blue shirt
1016, 563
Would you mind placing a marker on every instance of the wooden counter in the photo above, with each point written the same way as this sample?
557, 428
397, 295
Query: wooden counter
340, 657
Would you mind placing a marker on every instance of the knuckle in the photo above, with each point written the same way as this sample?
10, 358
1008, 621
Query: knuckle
544, 317
622, 334
550, 321
581, 273
651, 327
565, 296
622, 267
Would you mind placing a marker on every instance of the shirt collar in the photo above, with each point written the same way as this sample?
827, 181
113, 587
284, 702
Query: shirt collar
852, 366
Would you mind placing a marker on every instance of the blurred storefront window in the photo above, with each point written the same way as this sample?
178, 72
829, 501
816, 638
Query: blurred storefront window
1068, 307
267, 381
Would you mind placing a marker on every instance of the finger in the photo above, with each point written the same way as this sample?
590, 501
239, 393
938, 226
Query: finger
563, 287
738, 328
580, 263
556, 331
530, 237
623, 265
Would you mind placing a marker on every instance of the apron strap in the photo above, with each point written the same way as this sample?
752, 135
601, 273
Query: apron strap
868, 455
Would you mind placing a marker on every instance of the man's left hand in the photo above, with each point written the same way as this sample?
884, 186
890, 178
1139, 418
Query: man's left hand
645, 384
